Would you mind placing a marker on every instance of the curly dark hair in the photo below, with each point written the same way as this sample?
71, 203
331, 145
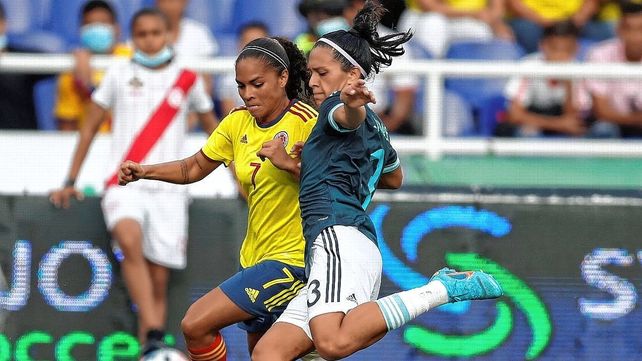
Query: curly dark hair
288, 54
363, 42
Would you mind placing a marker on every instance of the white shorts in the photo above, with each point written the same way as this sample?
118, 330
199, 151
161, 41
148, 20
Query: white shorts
345, 272
162, 216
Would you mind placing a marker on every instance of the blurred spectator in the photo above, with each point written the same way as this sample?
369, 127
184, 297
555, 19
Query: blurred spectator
395, 94
99, 34
619, 102
532, 16
228, 89
548, 106
322, 16
437, 23
17, 107
188, 37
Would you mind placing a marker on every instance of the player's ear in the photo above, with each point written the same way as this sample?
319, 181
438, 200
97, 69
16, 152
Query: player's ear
283, 78
354, 74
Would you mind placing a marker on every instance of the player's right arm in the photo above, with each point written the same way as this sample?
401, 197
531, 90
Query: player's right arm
184, 171
61, 197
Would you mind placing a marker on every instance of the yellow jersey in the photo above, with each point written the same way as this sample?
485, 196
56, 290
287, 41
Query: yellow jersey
73, 106
274, 230
464, 5
555, 10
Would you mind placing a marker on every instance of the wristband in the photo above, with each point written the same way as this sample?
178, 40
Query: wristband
69, 183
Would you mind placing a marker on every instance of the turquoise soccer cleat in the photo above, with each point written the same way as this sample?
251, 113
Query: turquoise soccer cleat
468, 285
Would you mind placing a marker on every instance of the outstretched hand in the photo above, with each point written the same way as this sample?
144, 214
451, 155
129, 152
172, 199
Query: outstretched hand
130, 172
356, 94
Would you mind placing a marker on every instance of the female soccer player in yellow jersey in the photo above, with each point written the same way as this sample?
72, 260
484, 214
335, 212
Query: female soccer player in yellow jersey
272, 79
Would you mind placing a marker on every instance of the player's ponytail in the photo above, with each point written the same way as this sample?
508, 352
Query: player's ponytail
364, 48
297, 86
282, 54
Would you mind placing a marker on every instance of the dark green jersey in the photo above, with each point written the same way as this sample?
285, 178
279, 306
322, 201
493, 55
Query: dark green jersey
340, 170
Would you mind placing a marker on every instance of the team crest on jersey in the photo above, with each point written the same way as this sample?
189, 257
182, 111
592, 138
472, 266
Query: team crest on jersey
283, 137
135, 83
175, 97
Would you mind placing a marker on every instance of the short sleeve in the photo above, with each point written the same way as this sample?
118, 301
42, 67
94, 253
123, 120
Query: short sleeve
199, 100
392, 160
219, 146
105, 94
326, 114
596, 86
68, 102
517, 90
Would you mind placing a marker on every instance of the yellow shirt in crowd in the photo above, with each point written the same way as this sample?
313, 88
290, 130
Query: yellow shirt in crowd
465, 5
274, 229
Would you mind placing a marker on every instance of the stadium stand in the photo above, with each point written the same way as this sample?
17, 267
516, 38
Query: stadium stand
476, 91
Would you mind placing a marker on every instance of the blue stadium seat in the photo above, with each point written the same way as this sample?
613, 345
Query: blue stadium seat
38, 41
281, 16
476, 91
491, 113
217, 15
585, 46
19, 16
44, 94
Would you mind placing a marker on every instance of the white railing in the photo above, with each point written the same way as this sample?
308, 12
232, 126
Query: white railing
433, 143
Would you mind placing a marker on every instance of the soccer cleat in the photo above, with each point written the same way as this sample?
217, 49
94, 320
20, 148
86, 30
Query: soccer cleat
154, 342
468, 285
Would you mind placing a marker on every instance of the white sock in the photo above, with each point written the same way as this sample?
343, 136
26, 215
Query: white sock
399, 308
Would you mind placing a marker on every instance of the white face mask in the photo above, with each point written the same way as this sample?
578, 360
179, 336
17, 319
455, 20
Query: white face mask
333, 24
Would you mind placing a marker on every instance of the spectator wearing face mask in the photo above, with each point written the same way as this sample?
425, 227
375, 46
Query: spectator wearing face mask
98, 34
322, 16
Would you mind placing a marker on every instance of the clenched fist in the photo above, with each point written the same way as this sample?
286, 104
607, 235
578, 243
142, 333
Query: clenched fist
130, 172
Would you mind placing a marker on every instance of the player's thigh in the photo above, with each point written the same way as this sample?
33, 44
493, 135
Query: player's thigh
165, 235
345, 272
212, 312
264, 291
283, 341
124, 214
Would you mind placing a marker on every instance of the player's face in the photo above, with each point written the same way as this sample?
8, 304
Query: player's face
630, 32
261, 88
150, 34
327, 76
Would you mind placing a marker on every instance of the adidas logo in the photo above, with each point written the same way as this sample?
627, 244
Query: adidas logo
244, 139
252, 293
352, 298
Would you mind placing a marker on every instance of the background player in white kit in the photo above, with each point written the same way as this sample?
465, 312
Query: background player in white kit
150, 96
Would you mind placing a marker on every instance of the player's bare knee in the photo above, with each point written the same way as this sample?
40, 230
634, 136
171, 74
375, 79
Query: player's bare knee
333, 348
192, 329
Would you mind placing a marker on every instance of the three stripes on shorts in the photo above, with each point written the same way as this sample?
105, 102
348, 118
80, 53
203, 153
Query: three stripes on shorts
333, 273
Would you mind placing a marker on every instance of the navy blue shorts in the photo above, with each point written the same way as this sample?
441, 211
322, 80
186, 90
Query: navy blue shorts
264, 291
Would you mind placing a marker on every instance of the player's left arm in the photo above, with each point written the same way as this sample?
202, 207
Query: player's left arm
354, 96
392, 175
392, 180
